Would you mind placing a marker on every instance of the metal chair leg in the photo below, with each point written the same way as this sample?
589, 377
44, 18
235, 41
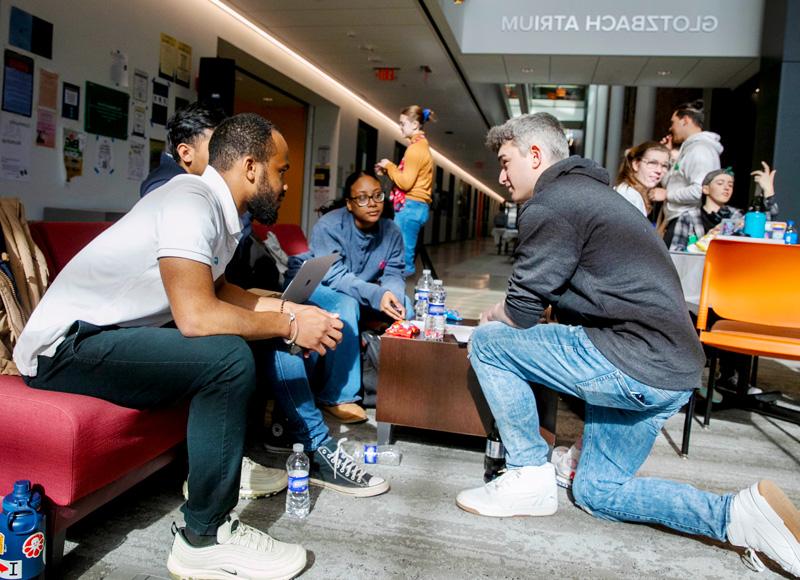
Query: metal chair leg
712, 380
754, 372
687, 424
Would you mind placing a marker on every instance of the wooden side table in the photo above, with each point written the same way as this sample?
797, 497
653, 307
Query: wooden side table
431, 385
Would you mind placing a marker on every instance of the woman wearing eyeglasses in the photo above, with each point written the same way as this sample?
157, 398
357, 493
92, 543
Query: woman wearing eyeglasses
370, 270
641, 170
413, 180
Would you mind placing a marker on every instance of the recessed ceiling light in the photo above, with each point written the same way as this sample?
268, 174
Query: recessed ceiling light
351, 34
267, 99
664, 73
373, 58
367, 47
528, 69
758, 90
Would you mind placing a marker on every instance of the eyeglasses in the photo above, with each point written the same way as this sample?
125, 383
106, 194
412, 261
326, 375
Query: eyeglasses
363, 200
652, 163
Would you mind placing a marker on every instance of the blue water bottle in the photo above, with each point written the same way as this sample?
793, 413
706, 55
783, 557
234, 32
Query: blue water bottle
22, 529
755, 220
790, 237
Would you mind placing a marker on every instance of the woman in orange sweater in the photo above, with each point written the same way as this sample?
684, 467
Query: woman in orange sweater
414, 177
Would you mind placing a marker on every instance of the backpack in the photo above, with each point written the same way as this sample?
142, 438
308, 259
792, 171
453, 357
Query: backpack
23, 278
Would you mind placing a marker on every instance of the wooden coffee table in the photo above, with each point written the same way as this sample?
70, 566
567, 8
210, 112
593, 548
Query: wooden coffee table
431, 385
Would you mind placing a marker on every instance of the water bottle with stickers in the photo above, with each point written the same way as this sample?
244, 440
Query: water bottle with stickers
435, 322
298, 502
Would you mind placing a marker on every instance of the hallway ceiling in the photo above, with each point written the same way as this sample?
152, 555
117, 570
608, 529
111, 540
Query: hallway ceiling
350, 38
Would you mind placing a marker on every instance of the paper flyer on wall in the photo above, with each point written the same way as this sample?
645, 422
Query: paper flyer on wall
139, 120
74, 145
48, 89
140, 79
46, 128
168, 57
137, 162
16, 141
104, 156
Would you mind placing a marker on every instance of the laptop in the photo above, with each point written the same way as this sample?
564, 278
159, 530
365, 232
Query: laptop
308, 278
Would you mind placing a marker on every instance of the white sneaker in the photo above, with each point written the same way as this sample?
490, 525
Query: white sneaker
524, 491
240, 552
566, 463
257, 480
764, 519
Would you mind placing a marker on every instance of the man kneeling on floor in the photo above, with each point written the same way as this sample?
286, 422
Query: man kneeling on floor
624, 344
104, 329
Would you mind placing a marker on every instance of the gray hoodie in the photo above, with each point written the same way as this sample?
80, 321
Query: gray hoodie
590, 254
698, 156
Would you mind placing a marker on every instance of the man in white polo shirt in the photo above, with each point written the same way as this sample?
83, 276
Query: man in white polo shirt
100, 331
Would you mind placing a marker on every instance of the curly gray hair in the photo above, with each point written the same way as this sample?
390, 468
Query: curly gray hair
542, 129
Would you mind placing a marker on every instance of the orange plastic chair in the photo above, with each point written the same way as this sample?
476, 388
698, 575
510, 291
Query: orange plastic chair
755, 289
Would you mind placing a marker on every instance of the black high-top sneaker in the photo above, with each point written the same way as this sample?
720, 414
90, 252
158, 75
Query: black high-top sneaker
334, 468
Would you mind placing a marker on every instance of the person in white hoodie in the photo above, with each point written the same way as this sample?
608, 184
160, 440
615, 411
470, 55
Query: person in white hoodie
699, 154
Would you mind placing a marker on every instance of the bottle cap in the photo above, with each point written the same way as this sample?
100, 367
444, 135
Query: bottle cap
426, 271
297, 448
437, 281
790, 223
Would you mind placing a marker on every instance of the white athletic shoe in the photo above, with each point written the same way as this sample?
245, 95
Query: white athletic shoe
240, 552
525, 491
764, 519
257, 481
566, 463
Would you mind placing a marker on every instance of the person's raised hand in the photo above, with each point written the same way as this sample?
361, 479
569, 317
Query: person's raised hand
765, 179
392, 307
667, 141
317, 329
657, 194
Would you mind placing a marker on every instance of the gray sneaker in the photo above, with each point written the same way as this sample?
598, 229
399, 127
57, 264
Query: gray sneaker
332, 467
240, 552
256, 481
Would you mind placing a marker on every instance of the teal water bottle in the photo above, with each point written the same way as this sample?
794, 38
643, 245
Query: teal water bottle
755, 220
22, 529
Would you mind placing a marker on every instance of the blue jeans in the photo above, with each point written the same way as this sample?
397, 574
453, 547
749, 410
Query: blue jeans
623, 418
337, 374
410, 221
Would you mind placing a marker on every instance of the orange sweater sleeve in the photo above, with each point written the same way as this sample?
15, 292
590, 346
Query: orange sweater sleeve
412, 163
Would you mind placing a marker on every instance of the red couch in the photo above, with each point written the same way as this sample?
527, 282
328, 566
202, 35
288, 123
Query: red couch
84, 451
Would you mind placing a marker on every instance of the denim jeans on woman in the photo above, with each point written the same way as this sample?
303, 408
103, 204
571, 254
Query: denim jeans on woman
623, 419
299, 384
410, 220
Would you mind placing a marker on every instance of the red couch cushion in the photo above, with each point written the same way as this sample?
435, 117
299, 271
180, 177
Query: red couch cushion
290, 237
60, 241
72, 444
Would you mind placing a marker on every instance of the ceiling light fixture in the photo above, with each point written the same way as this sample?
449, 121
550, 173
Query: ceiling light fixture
348, 93
664, 73
527, 69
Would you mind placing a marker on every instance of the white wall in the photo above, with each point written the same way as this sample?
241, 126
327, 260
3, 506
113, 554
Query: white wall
85, 33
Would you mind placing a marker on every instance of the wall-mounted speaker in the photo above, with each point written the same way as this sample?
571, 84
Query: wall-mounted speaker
217, 83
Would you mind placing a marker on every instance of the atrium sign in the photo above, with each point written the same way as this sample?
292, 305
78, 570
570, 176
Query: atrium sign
609, 23
712, 28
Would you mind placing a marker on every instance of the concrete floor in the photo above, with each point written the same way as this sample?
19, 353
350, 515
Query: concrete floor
416, 531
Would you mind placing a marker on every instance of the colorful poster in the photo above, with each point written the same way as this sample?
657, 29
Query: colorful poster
18, 84
70, 101
140, 79
74, 144
183, 70
48, 89
168, 57
46, 128
30, 33
104, 159
137, 162
16, 142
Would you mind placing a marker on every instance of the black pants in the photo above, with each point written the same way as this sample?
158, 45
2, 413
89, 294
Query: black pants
151, 368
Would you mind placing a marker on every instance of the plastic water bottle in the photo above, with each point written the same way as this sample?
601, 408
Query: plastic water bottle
298, 502
421, 292
371, 453
790, 237
435, 322
494, 461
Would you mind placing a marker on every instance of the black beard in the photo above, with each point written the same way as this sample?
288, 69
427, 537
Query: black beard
264, 207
